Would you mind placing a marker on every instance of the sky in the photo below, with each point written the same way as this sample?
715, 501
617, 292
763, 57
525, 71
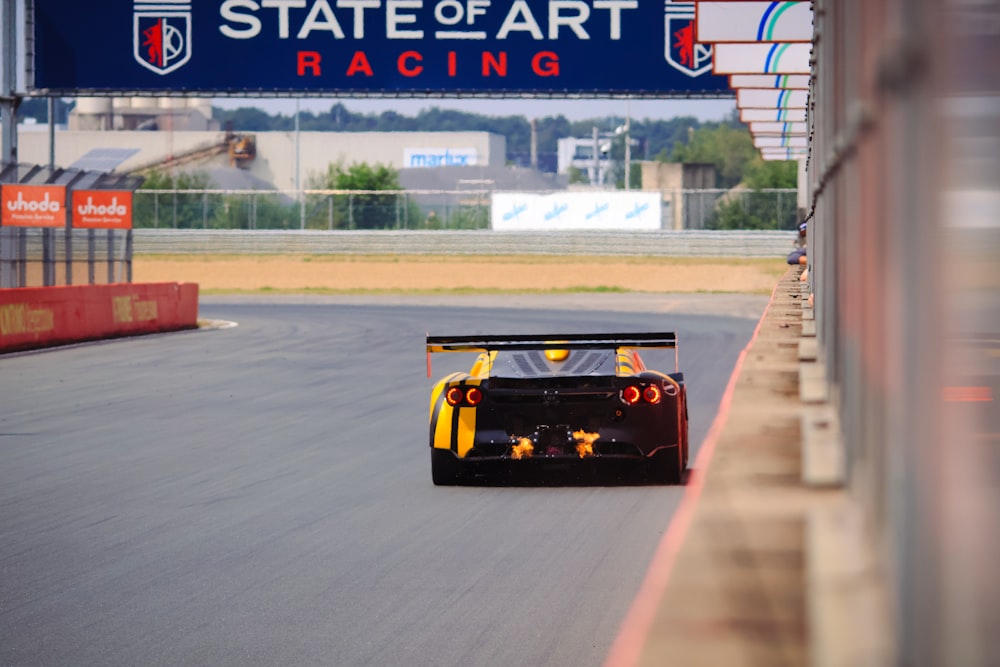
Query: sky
576, 109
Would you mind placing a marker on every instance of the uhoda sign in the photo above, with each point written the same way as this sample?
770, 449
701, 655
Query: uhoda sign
372, 47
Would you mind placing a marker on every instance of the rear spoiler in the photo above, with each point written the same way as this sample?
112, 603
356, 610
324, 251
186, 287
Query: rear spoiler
610, 341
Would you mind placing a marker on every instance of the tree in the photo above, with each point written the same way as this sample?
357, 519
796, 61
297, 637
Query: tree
757, 206
369, 210
729, 149
577, 175
659, 136
181, 210
761, 174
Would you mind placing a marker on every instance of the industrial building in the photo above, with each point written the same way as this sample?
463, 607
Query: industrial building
180, 133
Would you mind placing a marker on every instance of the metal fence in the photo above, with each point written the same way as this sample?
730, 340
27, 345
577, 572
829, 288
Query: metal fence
45, 257
736, 223
427, 209
733, 209
31, 257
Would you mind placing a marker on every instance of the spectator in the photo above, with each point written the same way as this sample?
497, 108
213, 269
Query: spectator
798, 255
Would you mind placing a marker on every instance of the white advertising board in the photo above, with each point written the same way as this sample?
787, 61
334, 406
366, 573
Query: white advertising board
513, 211
754, 21
762, 58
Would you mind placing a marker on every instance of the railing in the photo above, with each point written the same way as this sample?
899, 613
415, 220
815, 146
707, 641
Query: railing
696, 223
311, 209
466, 242
33, 257
427, 209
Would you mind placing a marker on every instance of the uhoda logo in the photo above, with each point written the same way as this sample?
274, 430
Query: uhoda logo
22, 205
110, 208
683, 52
161, 34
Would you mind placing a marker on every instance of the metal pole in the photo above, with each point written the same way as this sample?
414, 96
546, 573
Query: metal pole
91, 256
52, 133
8, 80
298, 181
628, 144
597, 159
111, 256
534, 143
8, 132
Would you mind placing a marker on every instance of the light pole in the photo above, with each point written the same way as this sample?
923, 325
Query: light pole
628, 144
626, 130
298, 182
628, 155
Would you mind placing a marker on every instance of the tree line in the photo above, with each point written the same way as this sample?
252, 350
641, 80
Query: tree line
656, 139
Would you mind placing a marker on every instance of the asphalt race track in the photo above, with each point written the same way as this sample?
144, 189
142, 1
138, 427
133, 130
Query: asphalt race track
261, 495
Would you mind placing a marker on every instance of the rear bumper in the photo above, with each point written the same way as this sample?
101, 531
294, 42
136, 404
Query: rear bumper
487, 452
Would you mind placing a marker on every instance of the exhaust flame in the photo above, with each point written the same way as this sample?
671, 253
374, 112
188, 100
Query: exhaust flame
523, 449
585, 443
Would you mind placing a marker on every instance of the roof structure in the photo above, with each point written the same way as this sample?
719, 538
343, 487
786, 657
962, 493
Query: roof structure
32, 174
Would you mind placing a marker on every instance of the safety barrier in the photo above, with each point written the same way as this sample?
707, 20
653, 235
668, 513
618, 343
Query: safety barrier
36, 317
665, 243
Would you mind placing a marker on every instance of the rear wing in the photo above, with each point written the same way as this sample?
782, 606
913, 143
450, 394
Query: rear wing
610, 341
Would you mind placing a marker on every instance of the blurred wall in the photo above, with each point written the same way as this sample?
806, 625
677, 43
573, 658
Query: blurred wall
903, 179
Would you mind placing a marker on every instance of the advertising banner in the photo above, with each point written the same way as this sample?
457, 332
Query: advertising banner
444, 47
781, 142
37, 317
757, 98
761, 129
755, 21
33, 205
783, 115
576, 210
792, 81
102, 209
761, 58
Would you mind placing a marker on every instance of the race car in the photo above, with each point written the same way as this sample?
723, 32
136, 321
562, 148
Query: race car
559, 398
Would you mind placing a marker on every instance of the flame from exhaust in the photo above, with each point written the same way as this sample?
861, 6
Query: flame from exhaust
585, 443
523, 449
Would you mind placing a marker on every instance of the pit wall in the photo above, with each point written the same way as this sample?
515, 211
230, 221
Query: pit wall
37, 317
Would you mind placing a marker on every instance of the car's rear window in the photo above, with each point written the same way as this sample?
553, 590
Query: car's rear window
534, 363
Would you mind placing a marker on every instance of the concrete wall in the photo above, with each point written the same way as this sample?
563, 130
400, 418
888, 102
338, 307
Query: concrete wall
662, 176
671, 178
36, 317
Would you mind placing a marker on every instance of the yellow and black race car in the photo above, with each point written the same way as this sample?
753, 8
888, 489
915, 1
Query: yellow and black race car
561, 399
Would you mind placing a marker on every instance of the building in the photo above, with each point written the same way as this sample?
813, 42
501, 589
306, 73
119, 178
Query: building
286, 160
142, 113
591, 156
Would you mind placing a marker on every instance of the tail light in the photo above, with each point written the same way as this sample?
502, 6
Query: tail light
464, 396
635, 394
473, 396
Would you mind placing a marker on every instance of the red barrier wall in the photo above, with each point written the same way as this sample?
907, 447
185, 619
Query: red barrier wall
34, 317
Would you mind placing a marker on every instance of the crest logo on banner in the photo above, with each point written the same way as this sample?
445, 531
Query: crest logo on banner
682, 52
161, 34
